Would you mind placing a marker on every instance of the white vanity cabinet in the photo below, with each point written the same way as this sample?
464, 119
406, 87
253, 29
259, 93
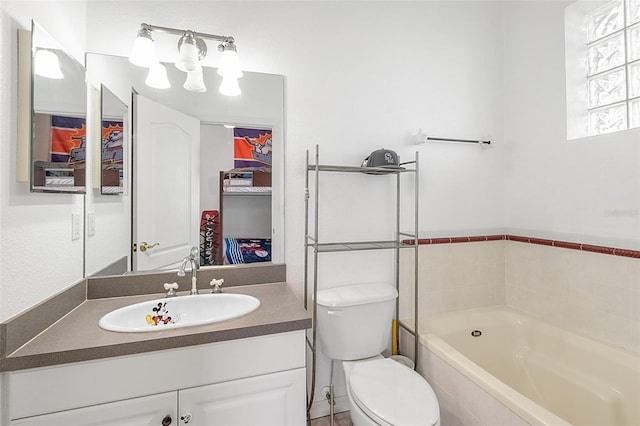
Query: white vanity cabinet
252, 381
150, 410
269, 400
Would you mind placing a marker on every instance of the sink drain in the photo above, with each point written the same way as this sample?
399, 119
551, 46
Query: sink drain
476, 333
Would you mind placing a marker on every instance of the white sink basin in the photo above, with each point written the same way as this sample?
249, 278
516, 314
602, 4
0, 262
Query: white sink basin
179, 311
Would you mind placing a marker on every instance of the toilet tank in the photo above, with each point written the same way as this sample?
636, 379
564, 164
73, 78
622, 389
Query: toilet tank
354, 321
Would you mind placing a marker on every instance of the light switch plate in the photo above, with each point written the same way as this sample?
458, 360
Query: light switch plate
91, 224
76, 226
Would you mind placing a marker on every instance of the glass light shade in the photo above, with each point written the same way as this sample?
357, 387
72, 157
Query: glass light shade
230, 64
188, 57
143, 53
47, 64
229, 86
195, 81
157, 77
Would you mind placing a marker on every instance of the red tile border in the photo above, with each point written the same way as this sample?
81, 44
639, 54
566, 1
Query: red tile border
627, 253
598, 249
517, 238
530, 240
460, 239
541, 241
567, 245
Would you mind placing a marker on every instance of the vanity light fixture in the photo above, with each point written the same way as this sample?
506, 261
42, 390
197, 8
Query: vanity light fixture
191, 50
47, 64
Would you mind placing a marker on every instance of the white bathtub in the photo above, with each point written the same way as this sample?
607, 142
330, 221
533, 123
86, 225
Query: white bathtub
543, 374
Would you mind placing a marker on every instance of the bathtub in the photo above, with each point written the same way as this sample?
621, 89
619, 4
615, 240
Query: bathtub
541, 373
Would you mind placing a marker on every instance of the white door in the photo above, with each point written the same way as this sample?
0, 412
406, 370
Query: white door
276, 399
166, 177
152, 410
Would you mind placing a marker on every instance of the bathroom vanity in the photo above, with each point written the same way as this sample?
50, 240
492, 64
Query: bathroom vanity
259, 380
249, 370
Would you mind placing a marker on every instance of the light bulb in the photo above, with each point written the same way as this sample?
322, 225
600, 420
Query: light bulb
195, 81
157, 77
229, 86
230, 63
47, 64
143, 53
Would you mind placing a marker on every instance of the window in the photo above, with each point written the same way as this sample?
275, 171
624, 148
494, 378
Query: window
603, 67
613, 61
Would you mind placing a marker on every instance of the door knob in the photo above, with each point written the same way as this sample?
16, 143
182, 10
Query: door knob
144, 246
167, 420
186, 418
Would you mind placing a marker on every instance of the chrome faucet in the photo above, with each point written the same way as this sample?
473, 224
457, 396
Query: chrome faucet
193, 259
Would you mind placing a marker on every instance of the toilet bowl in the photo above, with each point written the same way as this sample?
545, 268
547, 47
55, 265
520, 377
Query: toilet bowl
354, 326
383, 392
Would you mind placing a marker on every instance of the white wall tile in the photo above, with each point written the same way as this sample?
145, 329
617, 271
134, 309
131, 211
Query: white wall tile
461, 401
592, 293
595, 294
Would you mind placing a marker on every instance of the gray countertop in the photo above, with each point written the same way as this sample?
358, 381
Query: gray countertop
77, 336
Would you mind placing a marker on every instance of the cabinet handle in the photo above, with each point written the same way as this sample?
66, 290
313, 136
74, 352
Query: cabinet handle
186, 418
167, 420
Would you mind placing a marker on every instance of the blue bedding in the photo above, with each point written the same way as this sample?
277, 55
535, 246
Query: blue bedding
247, 250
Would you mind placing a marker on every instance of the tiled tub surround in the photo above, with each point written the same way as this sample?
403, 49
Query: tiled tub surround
461, 401
64, 328
592, 290
519, 370
597, 295
453, 276
589, 289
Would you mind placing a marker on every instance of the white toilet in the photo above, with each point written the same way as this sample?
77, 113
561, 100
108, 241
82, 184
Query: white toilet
354, 326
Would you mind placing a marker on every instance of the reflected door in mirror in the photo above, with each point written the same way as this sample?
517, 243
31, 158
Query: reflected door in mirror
166, 152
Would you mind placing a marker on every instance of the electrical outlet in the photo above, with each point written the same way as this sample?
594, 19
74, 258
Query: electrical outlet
326, 392
76, 226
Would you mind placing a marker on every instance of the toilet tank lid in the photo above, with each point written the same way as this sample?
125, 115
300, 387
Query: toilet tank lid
356, 294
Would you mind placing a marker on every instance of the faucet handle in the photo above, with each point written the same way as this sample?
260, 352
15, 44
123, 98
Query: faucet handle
171, 287
216, 285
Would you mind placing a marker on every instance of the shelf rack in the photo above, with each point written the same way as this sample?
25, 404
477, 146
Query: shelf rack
402, 241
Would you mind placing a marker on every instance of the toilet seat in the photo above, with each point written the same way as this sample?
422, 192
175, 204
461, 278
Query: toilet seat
393, 394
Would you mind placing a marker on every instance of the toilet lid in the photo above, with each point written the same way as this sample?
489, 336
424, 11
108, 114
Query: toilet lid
393, 393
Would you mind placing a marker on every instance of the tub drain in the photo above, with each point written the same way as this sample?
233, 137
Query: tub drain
476, 333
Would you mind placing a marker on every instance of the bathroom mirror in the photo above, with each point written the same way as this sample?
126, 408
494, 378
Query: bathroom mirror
260, 106
113, 112
58, 117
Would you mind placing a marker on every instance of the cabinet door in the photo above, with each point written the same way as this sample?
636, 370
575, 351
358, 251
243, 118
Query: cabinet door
276, 399
154, 410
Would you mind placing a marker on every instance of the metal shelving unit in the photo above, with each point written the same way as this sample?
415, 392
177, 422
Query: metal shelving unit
402, 240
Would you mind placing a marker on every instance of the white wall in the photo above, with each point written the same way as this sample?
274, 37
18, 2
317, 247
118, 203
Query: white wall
383, 71
585, 190
38, 257
360, 76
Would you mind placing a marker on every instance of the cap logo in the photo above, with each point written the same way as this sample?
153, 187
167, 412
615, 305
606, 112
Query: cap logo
388, 157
